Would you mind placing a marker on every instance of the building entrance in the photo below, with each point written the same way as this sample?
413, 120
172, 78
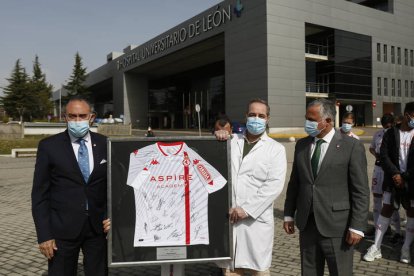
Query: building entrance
172, 100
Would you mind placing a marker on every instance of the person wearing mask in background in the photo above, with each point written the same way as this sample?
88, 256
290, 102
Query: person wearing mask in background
258, 165
327, 194
387, 121
348, 121
69, 195
397, 161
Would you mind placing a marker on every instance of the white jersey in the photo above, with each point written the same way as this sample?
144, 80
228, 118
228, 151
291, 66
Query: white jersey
171, 185
377, 140
405, 142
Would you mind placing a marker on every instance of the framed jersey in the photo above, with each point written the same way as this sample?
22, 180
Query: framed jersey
168, 199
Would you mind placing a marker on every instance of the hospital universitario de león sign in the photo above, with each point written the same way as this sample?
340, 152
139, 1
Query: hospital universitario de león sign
209, 22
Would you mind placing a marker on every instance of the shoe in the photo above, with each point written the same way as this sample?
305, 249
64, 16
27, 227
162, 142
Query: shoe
372, 254
405, 256
397, 238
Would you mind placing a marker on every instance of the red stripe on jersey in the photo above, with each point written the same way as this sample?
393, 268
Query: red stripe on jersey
187, 198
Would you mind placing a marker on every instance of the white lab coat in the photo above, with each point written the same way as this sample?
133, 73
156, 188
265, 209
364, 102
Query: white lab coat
257, 180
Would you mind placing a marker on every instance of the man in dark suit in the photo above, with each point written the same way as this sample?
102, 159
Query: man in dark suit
328, 194
69, 195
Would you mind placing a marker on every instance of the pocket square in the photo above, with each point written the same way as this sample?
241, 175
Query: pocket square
102, 162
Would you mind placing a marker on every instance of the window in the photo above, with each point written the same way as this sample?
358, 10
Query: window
378, 52
399, 88
412, 89
406, 57
382, 5
411, 57
385, 53
406, 88
379, 86
399, 55
392, 54
392, 87
385, 87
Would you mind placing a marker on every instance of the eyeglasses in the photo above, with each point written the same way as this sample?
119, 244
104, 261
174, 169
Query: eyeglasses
73, 117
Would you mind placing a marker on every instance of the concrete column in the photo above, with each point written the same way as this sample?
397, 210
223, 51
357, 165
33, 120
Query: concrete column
135, 102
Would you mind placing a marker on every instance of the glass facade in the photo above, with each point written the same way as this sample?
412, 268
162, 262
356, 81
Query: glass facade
172, 100
352, 67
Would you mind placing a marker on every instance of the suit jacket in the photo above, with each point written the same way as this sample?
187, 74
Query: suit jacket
389, 156
339, 196
59, 193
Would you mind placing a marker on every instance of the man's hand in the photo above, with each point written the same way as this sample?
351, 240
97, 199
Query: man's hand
106, 225
47, 248
289, 227
237, 214
398, 180
352, 238
222, 135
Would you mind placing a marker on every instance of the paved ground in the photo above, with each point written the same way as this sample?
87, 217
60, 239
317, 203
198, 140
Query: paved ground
19, 254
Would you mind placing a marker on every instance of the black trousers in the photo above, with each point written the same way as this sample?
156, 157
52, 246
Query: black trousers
93, 245
315, 249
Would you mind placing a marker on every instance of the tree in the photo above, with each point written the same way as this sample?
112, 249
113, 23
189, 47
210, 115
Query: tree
16, 99
40, 92
75, 85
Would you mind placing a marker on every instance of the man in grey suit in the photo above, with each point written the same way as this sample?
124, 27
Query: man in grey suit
328, 194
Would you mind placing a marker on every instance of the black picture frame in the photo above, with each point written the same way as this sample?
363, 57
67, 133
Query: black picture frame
121, 205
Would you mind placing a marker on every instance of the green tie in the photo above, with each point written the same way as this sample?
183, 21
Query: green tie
315, 157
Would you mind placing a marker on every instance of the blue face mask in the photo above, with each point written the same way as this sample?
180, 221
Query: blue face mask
311, 128
346, 127
78, 128
256, 125
411, 123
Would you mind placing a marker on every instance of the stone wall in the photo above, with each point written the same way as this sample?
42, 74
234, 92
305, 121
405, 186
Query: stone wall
115, 129
11, 131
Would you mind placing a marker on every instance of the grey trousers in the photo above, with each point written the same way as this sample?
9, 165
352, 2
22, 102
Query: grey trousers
315, 249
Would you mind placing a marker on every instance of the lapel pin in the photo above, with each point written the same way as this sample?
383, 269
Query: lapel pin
337, 146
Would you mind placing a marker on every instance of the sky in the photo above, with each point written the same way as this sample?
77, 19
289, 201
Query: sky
56, 29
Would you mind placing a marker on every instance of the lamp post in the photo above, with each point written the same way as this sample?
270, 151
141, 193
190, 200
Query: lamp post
20, 110
60, 104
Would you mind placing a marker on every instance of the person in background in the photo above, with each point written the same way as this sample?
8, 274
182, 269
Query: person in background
69, 195
258, 165
149, 133
397, 161
398, 119
348, 121
327, 194
387, 121
223, 123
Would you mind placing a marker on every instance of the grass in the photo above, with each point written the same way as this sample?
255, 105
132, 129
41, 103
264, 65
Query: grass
28, 141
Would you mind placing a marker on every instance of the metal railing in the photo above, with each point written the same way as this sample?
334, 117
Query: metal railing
315, 87
316, 49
